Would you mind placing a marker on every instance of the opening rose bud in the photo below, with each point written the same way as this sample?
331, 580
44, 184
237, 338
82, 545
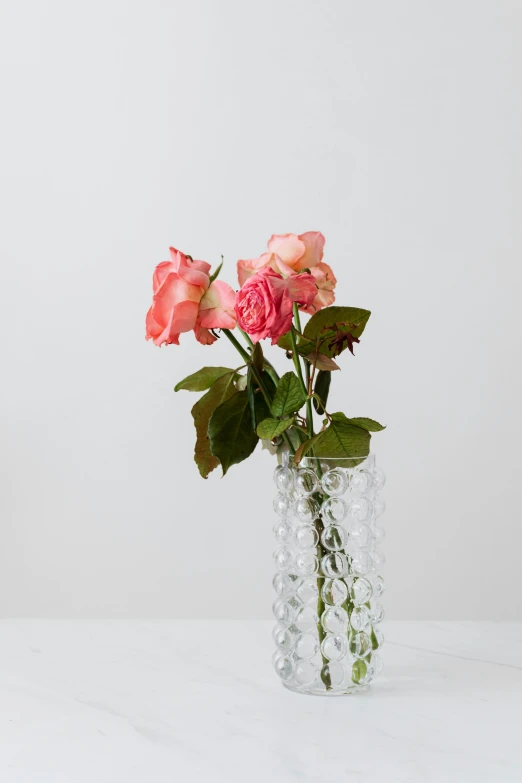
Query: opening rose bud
264, 305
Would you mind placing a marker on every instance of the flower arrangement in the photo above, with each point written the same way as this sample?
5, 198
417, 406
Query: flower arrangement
252, 402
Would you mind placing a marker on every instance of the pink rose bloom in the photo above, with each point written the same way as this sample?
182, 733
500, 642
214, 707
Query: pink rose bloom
326, 282
298, 252
184, 300
291, 253
247, 268
264, 304
306, 252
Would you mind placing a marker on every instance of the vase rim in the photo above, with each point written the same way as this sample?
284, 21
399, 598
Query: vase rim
339, 459
346, 460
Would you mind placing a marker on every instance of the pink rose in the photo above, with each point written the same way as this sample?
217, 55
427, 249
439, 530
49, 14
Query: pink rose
306, 252
247, 268
326, 282
264, 305
184, 300
289, 254
298, 252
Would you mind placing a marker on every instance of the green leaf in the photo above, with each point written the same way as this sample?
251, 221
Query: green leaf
215, 274
232, 438
367, 424
285, 342
269, 384
202, 379
289, 396
341, 440
271, 428
261, 408
322, 389
258, 406
222, 389
333, 324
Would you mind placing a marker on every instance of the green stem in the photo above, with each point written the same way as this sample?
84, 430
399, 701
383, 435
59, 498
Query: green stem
297, 364
319, 526
257, 377
321, 633
247, 337
309, 418
300, 331
268, 367
297, 318
295, 357
237, 345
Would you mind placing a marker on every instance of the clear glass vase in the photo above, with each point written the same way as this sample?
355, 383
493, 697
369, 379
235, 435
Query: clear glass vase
328, 559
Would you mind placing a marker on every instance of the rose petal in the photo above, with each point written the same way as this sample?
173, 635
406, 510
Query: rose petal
216, 309
301, 288
314, 244
160, 273
326, 282
203, 335
263, 305
178, 289
289, 247
200, 266
184, 318
188, 270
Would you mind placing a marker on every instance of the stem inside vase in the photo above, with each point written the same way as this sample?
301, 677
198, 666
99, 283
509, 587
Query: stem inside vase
325, 676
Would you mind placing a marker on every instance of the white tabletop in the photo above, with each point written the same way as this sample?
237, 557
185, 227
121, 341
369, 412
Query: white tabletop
189, 701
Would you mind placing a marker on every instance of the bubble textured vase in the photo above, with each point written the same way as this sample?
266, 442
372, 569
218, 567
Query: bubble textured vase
328, 585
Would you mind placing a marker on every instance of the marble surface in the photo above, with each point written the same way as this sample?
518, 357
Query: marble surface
165, 701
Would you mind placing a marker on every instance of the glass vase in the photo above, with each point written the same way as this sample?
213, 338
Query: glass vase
328, 607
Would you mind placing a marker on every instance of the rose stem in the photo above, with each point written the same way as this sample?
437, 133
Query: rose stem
309, 416
268, 367
257, 377
318, 522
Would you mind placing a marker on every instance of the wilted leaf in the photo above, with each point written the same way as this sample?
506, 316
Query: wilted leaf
222, 389
321, 361
329, 329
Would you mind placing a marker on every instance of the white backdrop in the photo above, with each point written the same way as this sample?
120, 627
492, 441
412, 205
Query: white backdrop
392, 127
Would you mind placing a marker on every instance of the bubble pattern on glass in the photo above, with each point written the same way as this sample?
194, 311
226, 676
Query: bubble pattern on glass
328, 587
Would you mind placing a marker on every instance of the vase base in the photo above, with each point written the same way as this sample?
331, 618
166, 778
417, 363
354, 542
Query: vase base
347, 691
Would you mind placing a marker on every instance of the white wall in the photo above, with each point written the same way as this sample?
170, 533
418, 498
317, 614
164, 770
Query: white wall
392, 127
